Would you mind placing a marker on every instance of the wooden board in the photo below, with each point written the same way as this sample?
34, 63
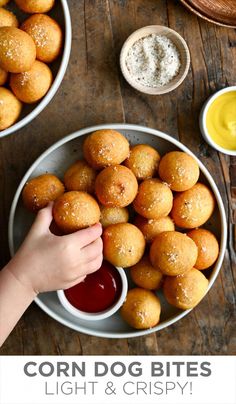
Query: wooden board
94, 92
222, 12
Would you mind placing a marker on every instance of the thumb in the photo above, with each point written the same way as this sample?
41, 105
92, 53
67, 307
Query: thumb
43, 220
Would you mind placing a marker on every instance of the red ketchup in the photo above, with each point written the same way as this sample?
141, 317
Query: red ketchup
98, 291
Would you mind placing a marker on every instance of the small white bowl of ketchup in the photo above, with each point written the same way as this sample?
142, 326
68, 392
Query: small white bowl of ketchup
99, 296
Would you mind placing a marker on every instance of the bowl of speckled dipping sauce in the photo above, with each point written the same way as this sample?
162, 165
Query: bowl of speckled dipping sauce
155, 59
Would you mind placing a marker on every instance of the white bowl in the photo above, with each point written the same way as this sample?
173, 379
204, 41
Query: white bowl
202, 121
180, 45
61, 10
57, 159
102, 314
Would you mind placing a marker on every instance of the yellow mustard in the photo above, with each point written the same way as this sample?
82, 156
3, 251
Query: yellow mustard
221, 120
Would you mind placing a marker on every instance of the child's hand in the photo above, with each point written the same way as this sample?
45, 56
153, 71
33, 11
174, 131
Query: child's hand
47, 262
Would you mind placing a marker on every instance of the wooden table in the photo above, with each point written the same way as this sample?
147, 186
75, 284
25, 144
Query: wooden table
94, 92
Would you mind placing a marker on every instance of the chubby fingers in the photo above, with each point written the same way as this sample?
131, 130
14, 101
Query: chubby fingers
75, 282
87, 268
94, 265
43, 220
86, 236
91, 267
91, 251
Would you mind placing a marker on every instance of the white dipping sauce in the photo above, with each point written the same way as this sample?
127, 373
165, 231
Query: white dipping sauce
153, 61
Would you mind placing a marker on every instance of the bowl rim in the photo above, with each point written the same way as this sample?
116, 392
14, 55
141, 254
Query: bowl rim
102, 314
205, 17
154, 132
161, 89
202, 120
56, 82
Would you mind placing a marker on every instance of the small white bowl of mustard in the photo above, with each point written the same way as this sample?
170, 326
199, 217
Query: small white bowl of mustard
218, 120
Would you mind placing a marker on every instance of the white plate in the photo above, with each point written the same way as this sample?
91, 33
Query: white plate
56, 160
60, 12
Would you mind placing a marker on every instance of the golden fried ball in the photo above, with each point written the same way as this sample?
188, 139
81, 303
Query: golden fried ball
143, 161
3, 2
41, 190
143, 274
3, 77
179, 170
17, 50
154, 199
192, 208
113, 215
105, 148
152, 227
173, 253
141, 309
47, 36
208, 247
80, 177
75, 210
32, 85
7, 18
185, 291
123, 244
116, 186
10, 108
35, 6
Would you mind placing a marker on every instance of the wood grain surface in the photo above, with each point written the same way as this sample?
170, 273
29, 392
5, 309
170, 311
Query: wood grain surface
94, 92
